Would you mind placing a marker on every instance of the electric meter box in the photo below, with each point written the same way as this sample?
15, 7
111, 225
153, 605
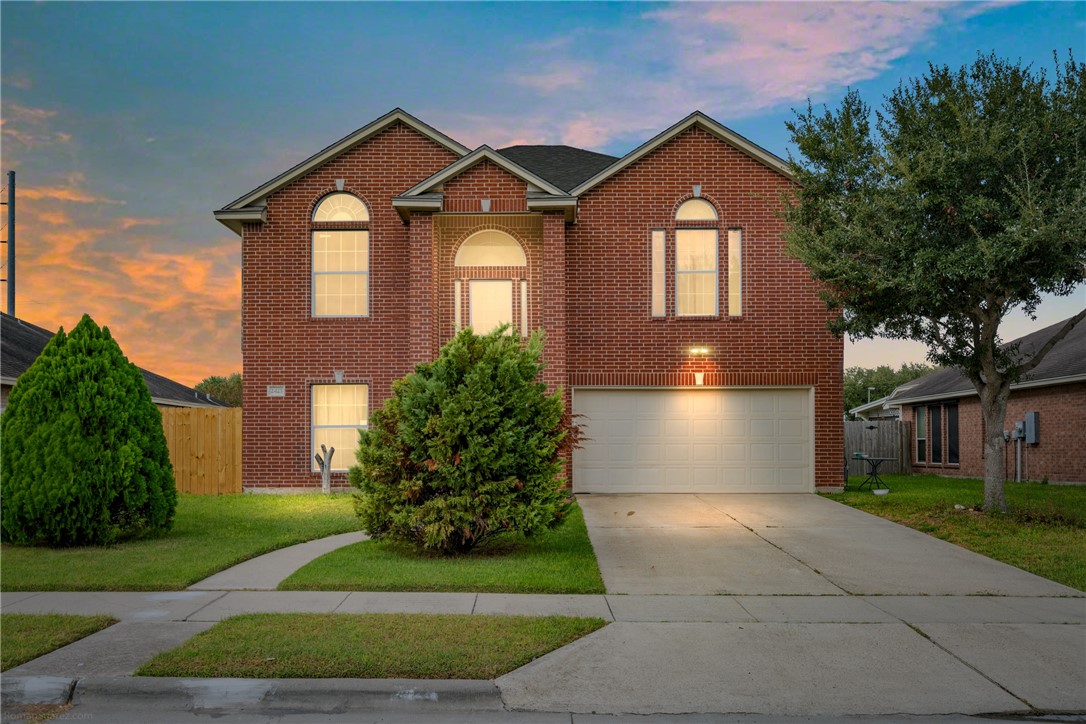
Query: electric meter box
1033, 429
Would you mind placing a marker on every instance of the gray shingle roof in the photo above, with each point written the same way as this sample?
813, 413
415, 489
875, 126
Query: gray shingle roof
21, 343
563, 166
1066, 359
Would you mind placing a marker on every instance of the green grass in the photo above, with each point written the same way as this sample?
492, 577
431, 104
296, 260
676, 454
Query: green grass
26, 636
369, 646
558, 561
1043, 531
210, 533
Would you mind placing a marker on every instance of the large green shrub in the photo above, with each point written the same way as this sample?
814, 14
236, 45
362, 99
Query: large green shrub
469, 446
84, 458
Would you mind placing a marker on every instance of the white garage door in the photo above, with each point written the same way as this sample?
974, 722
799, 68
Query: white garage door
693, 441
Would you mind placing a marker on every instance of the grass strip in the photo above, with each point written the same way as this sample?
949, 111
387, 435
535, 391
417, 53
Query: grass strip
210, 533
557, 561
26, 636
1043, 530
369, 646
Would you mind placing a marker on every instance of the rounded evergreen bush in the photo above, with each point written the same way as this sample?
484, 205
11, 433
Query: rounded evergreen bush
470, 446
83, 459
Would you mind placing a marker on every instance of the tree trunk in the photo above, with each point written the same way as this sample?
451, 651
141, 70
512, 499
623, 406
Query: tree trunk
993, 405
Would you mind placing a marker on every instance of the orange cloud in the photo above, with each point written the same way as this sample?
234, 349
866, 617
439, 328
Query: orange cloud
128, 222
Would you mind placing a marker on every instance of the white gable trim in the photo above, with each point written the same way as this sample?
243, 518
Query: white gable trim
699, 119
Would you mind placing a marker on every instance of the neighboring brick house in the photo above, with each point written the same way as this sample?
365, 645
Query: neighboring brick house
695, 349
948, 430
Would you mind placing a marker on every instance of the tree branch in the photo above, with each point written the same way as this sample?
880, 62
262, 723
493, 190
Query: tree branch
1052, 342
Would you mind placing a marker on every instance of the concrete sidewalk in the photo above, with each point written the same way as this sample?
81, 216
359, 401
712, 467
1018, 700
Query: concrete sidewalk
787, 606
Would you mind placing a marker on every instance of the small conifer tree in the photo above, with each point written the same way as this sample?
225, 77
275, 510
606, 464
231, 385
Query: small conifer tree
470, 446
83, 459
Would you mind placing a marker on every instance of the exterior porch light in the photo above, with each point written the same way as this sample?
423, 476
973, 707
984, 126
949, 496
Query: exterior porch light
694, 351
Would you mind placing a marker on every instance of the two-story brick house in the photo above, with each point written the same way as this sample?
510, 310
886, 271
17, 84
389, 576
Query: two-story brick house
694, 348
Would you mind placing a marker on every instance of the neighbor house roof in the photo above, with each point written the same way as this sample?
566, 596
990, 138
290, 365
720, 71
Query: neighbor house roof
1065, 363
23, 342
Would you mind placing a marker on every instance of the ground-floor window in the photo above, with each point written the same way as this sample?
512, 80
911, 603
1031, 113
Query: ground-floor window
339, 412
928, 423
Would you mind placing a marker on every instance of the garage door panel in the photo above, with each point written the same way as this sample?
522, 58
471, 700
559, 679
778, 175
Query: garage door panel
693, 440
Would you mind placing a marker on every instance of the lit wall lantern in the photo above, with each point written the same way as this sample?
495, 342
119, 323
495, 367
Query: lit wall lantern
699, 351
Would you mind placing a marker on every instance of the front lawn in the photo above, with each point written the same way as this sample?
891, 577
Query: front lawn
558, 561
210, 533
1043, 532
368, 646
26, 636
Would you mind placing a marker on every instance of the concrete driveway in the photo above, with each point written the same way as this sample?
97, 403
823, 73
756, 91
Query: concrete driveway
797, 605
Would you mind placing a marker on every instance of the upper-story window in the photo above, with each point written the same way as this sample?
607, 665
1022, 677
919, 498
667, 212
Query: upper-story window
696, 260
341, 259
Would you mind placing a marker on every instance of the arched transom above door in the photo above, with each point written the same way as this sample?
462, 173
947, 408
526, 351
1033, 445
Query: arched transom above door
490, 248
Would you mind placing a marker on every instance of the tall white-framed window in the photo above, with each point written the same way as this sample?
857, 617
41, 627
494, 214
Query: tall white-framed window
696, 260
340, 258
338, 412
659, 275
695, 272
491, 302
735, 272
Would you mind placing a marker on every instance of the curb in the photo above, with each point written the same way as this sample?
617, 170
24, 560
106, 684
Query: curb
312, 695
18, 690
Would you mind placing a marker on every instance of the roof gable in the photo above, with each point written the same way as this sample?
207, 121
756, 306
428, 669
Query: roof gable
483, 153
700, 120
250, 206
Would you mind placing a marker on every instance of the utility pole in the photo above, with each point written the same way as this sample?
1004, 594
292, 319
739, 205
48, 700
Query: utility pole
9, 275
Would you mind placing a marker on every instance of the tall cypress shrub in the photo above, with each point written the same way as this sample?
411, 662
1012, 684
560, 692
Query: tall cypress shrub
83, 458
470, 446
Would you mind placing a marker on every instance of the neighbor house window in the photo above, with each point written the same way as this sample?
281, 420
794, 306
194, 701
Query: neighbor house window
341, 262
696, 261
931, 445
921, 434
339, 412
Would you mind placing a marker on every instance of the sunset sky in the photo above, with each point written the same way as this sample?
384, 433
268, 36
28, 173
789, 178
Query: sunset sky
129, 123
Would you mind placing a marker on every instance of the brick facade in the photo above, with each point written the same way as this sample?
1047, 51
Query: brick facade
1058, 456
588, 288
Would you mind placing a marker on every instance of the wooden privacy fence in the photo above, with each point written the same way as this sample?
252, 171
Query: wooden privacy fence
205, 448
879, 439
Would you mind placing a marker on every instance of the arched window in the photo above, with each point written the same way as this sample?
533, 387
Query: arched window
696, 210
341, 207
490, 248
696, 261
341, 259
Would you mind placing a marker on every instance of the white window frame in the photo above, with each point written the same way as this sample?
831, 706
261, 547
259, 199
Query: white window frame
735, 272
365, 273
340, 455
658, 272
715, 272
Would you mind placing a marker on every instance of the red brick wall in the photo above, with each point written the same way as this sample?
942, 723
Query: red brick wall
1060, 456
283, 344
781, 337
485, 180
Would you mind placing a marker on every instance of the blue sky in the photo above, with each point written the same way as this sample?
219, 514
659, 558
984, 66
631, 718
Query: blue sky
128, 123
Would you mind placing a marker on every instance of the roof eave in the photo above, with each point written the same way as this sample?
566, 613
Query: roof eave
234, 218
568, 204
971, 392
697, 118
405, 205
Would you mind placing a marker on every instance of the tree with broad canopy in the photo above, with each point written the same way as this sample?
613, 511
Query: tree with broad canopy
965, 201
